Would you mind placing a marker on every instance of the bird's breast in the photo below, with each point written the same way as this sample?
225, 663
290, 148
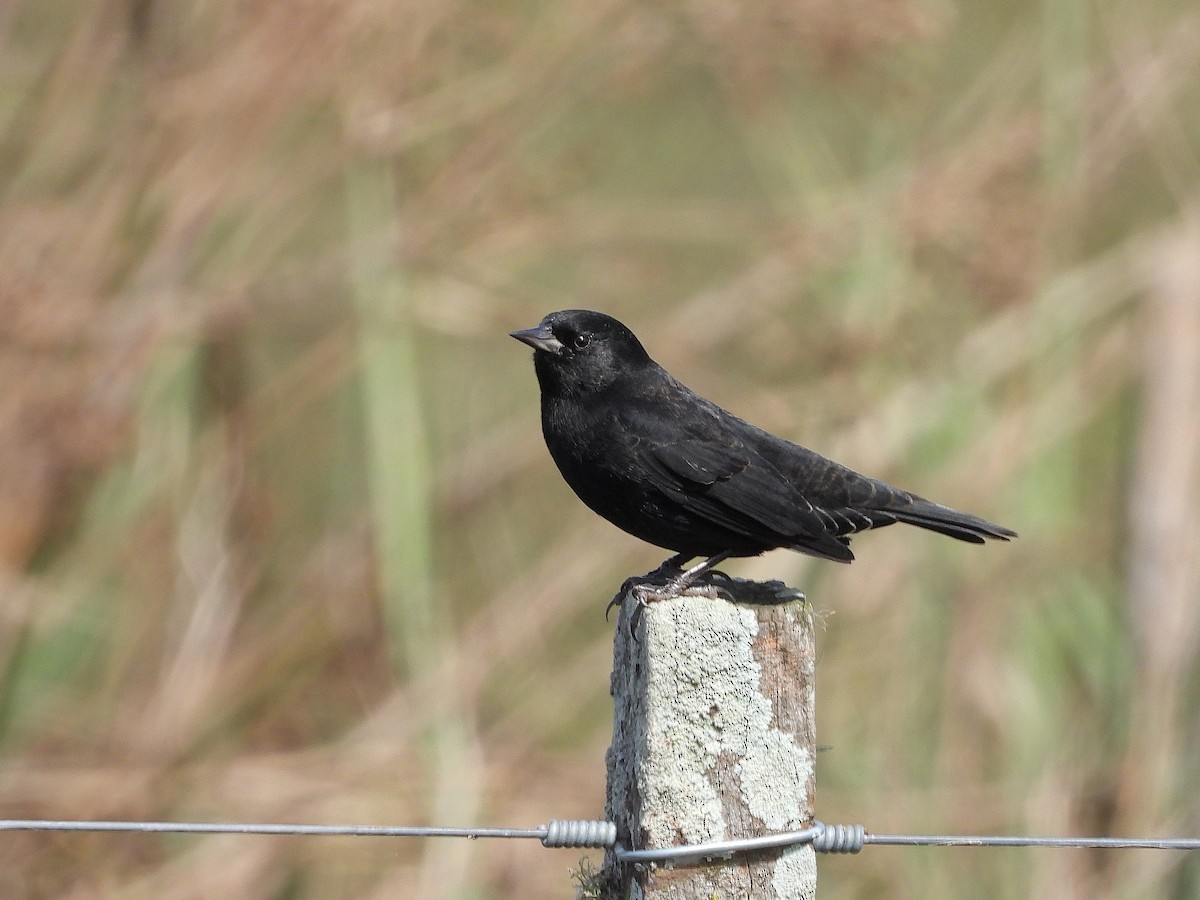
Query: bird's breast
584, 440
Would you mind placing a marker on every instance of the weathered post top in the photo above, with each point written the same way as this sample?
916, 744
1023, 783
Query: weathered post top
713, 739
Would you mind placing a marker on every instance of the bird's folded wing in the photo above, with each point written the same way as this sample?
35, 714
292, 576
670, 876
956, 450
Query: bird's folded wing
733, 486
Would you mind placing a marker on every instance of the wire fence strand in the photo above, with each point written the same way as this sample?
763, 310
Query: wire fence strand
584, 833
269, 828
1083, 843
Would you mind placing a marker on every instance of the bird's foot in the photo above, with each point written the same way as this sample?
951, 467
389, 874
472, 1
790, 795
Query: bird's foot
698, 581
713, 584
644, 594
760, 593
645, 591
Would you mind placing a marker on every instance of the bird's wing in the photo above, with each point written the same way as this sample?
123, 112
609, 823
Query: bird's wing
715, 473
725, 474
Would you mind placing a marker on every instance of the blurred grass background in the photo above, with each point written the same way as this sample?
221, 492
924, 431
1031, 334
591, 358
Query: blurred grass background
279, 539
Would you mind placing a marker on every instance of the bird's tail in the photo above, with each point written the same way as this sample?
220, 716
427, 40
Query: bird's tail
950, 522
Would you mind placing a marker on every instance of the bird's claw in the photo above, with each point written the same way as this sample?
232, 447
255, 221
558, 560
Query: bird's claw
626, 587
643, 602
630, 585
644, 592
712, 591
715, 585
766, 593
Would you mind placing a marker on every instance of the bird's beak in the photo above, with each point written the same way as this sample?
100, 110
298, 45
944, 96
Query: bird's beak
540, 337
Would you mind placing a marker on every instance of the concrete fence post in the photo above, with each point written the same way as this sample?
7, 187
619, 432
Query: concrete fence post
713, 739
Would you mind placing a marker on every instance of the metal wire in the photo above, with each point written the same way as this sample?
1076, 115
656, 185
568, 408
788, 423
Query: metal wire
720, 849
269, 828
583, 833
557, 833
839, 838
852, 838
983, 840
579, 833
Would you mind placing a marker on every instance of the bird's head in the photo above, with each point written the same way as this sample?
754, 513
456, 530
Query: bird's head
577, 351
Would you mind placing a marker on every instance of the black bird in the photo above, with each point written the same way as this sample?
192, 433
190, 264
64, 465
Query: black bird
676, 470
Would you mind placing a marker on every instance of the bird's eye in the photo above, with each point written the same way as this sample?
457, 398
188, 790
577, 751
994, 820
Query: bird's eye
580, 341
